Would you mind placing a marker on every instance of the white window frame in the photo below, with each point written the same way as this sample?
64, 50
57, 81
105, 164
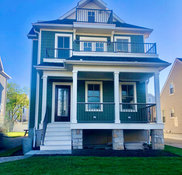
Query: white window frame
172, 111
170, 88
56, 43
101, 95
135, 96
94, 40
123, 37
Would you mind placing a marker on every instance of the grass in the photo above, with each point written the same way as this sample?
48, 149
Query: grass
96, 165
174, 150
10, 152
15, 134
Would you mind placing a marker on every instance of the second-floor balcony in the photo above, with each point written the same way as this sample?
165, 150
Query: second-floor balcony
102, 47
94, 15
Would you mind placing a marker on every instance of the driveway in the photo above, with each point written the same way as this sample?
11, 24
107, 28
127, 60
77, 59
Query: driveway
172, 142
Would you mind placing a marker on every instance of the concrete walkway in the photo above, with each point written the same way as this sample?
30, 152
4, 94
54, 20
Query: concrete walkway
13, 158
173, 142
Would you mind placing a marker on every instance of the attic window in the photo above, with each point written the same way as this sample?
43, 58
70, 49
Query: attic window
171, 88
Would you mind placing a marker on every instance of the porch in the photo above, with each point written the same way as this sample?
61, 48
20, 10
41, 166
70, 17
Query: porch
100, 97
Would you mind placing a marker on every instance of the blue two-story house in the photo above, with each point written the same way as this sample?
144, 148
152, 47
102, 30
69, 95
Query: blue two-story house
90, 74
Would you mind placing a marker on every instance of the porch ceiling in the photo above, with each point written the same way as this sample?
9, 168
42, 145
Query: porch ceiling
109, 76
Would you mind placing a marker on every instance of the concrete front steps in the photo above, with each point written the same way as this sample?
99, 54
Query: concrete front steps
57, 137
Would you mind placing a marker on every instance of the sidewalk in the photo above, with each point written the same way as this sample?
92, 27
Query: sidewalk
13, 158
172, 142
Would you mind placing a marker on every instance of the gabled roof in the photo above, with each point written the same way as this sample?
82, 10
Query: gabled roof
177, 60
2, 70
83, 2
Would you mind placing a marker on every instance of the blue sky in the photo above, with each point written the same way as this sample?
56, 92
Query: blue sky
164, 16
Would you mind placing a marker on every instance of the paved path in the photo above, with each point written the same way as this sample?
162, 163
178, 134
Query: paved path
175, 143
13, 158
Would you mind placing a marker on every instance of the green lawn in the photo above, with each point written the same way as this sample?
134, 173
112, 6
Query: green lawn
15, 134
94, 166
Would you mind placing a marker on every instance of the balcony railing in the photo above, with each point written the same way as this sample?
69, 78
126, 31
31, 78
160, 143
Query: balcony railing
137, 113
94, 15
95, 112
115, 47
58, 53
105, 113
102, 47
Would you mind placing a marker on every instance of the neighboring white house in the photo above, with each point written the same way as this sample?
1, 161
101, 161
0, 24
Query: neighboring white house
3, 88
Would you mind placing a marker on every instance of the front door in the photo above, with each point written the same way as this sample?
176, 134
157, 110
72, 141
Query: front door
62, 103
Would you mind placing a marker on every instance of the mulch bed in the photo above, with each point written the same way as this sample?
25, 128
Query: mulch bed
113, 153
124, 153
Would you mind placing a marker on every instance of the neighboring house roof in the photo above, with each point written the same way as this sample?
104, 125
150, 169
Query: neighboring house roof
2, 70
177, 60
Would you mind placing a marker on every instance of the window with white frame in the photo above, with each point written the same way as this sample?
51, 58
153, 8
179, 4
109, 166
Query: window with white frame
63, 45
171, 89
122, 44
93, 96
93, 44
128, 97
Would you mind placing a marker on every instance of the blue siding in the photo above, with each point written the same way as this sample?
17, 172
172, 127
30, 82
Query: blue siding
33, 84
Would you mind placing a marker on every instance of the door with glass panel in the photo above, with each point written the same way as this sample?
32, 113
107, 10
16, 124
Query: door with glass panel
62, 104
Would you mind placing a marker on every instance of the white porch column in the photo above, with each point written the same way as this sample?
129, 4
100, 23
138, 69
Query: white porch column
74, 117
116, 97
157, 97
44, 99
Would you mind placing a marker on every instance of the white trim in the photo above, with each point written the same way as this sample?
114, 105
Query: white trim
123, 37
119, 54
49, 60
116, 126
101, 94
53, 100
135, 96
56, 42
111, 68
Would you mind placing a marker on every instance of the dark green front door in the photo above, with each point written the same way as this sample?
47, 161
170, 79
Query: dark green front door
62, 104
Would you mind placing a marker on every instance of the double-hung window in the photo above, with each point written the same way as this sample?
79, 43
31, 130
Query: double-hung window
99, 47
63, 45
93, 96
122, 44
128, 97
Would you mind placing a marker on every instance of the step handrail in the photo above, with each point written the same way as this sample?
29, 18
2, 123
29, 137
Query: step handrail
44, 127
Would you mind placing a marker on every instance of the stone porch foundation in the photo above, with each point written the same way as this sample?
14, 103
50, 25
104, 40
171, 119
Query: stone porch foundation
157, 137
117, 139
77, 138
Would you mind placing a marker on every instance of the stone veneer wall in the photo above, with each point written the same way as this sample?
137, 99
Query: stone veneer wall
157, 139
117, 139
77, 138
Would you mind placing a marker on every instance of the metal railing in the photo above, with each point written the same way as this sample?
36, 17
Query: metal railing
94, 15
95, 112
137, 113
115, 47
60, 53
44, 127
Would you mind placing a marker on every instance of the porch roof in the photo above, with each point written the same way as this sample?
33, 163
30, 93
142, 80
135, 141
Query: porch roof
118, 59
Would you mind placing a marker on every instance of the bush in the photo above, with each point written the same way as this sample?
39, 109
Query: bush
1, 140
